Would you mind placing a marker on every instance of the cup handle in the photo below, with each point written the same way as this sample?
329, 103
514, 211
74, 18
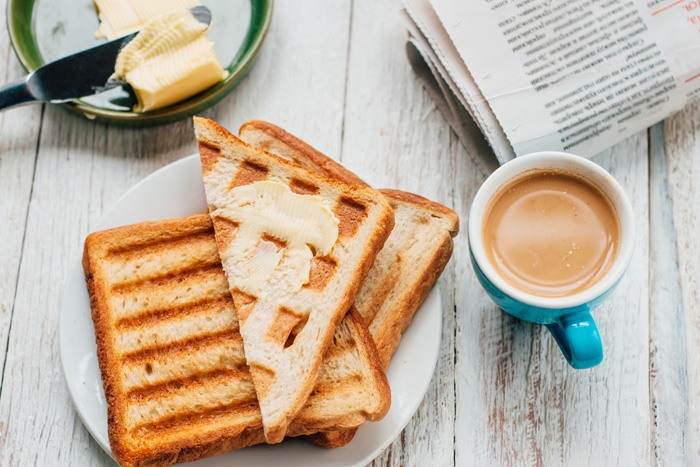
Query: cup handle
578, 339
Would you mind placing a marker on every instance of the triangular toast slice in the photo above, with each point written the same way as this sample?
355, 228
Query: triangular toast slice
404, 271
176, 383
295, 246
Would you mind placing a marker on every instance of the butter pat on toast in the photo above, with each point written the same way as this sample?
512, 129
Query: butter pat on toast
407, 267
295, 246
176, 382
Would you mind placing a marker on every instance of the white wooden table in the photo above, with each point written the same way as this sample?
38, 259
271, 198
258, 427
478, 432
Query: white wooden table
335, 73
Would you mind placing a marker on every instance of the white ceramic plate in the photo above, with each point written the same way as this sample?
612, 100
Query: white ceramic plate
176, 191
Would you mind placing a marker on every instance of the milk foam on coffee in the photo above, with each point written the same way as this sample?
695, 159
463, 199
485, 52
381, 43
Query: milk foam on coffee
550, 233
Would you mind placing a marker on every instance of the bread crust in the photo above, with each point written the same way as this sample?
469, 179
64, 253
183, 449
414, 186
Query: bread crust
376, 365
333, 439
324, 164
105, 352
428, 205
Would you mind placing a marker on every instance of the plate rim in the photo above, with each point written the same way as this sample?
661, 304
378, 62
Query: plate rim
171, 113
76, 270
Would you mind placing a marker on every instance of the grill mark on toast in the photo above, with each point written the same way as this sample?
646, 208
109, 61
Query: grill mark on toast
302, 187
321, 271
160, 244
136, 321
192, 382
337, 385
263, 378
350, 213
150, 262
371, 299
208, 154
207, 416
244, 304
217, 355
249, 172
177, 293
285, 322
340, 347
225, 231
149, 353
172, 277
280, 244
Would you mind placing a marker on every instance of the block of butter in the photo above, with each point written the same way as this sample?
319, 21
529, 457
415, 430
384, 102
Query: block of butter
171, 58
121, 17
305, 223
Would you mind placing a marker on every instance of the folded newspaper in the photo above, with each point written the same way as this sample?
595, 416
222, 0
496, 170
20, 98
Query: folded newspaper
568, 75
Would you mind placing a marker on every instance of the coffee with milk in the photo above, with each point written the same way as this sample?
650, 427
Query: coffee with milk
550, 233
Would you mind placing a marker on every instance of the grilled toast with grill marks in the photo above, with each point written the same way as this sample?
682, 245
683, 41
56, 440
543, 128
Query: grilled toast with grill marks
404, 271
174, 373
287, 321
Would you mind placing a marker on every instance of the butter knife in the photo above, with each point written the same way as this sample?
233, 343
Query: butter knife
78, 75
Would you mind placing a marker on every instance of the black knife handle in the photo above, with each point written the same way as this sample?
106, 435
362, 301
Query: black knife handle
15, 94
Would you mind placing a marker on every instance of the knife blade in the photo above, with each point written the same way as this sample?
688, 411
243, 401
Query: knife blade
71, 77
78, 75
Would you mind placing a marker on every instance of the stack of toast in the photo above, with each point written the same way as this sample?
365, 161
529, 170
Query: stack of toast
272, 315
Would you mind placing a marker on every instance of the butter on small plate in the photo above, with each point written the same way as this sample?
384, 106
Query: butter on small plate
46, 30
169, 60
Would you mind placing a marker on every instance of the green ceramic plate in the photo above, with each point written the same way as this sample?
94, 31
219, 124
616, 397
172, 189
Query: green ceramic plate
45, 30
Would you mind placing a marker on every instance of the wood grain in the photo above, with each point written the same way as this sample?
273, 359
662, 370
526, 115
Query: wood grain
674, 301
298, 81
33, 378
19, 128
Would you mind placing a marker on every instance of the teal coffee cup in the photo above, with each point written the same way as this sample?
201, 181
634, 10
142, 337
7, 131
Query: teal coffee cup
568, 314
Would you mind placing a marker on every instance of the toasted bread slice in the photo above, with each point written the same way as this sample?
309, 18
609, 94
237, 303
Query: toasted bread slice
404, 271
288, 312
171, 356
413, 257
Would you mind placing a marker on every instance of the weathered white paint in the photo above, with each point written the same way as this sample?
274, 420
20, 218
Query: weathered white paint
19, 133
675, 299
298, 81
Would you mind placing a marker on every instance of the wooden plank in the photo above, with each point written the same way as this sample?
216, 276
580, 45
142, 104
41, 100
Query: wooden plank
298, 81
675, 247
20, 130
518, 401
668, 386
63, 198
395, 137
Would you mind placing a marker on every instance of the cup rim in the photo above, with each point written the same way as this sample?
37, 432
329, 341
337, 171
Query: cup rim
593, 173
